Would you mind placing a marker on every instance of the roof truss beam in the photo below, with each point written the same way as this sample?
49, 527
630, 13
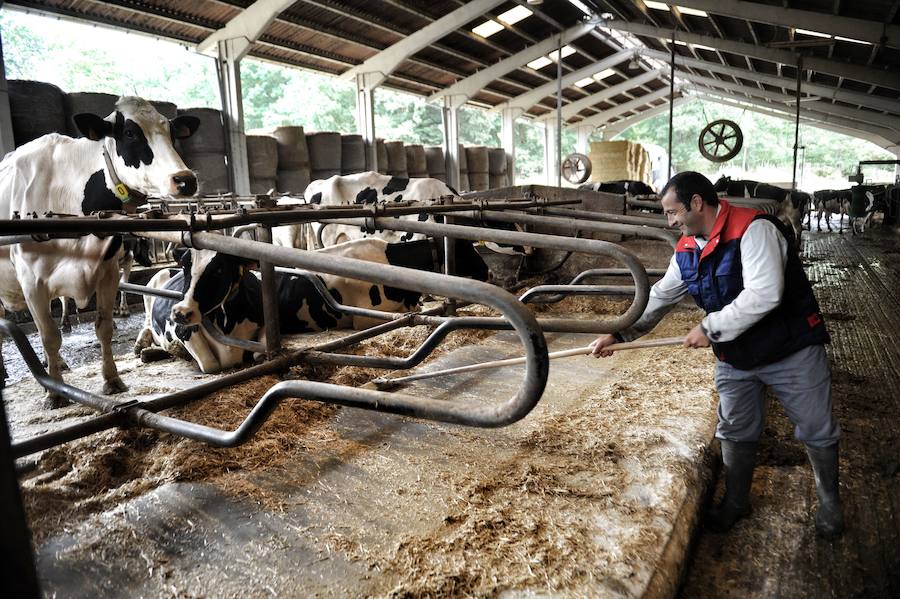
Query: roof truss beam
613, 129
573, 108
386, 61
602, 117
246, 27
839, 69
860, 29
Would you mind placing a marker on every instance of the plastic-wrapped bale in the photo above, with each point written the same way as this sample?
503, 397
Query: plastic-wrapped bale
262, 160
204, 151
293, 175
496, 168
478, 162
324, 154
36, 108
381, 151
463, 170
396, 159
435, 163
353, 154
94, 103
167, 109
416, 163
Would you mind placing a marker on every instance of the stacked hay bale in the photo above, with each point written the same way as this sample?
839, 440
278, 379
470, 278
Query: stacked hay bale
167, 109
262, 162
353, 154
324, 154
618, 160
381, 151
204, 151
396, 159
463, 170
94, 103
478, 168
293, 174
434, 162
497, 168
36, 109
416, 163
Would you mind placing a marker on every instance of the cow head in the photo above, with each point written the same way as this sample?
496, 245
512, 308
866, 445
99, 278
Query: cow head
139, 141
210, 279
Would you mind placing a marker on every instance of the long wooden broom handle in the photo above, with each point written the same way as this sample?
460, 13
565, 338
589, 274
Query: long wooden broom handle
578, 351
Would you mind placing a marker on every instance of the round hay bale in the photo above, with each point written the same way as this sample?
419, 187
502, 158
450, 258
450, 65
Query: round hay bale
94, 103
324, 174
479, 181
416, 165
263, 185
167, 109
463, 162
211, 170
510, 170
293, 181
353, 154
262, 156
497, 161
209, 137
435, 163
396, 159
292, 150
381, 150
324, 151
497, 181
477, 160
463, 181
36, 109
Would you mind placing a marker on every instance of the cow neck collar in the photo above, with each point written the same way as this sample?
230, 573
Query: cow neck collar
120, 190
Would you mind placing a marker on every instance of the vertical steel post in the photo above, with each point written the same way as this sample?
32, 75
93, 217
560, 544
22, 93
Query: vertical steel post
797, 121
365, 117
229, 70
7, 142
269, 297
559, 112
671, 104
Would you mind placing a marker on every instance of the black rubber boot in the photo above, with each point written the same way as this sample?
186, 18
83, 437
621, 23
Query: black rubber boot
738, 459
830, 514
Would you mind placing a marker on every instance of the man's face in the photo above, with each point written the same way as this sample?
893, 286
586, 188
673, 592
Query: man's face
689, 222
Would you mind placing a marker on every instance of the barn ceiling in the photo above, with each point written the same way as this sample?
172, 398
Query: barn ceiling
847, 54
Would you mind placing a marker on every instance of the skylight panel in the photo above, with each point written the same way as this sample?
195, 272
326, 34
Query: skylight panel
852, 41
514, 15
539, 63
580, 6
692, 11
656, 5
488, 28
604, 74
566, 51
812, 33
584, 82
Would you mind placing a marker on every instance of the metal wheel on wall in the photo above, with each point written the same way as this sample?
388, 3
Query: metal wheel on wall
576, 168
721, 140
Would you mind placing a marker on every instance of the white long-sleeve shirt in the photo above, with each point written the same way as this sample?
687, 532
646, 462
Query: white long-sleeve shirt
763, 259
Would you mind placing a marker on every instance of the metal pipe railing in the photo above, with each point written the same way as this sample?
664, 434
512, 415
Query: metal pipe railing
604, 216
588, 246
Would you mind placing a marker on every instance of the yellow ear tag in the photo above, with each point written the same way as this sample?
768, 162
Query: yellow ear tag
121, 192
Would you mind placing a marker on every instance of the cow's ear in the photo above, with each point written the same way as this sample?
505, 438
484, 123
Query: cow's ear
184, 126
182, 256
92, 126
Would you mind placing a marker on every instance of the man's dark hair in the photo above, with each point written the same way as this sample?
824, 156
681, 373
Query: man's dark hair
686, 184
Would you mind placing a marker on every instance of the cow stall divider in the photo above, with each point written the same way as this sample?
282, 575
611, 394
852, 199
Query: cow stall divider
189, 230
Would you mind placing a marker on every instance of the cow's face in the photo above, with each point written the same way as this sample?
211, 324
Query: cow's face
210, 279
139, 140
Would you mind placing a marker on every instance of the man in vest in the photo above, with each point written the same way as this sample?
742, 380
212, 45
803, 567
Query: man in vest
764, 325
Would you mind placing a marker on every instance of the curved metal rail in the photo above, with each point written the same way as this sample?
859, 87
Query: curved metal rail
588, 246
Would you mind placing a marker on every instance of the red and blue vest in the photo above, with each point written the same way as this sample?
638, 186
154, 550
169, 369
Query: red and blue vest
714, 278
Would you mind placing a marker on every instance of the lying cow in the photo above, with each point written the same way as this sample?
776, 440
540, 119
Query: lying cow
220, 288
76, 176
626, 187
828, 202
362, 189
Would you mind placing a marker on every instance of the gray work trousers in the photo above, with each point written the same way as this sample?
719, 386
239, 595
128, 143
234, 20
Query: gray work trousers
801, 382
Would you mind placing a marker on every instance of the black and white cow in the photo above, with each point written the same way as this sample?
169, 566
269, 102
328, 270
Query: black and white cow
59, 174
220, 288
792, 204
625, 186
214, 286
828, 202
361, 189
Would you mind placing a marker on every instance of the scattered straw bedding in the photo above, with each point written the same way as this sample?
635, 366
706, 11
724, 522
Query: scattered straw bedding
530, 521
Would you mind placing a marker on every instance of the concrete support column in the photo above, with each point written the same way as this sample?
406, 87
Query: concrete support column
508, 136
229, 70
583, 139
551, 157
365, 114
450, 120
7, 142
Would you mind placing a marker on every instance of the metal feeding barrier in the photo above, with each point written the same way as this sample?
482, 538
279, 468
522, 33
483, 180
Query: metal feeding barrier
193, 230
